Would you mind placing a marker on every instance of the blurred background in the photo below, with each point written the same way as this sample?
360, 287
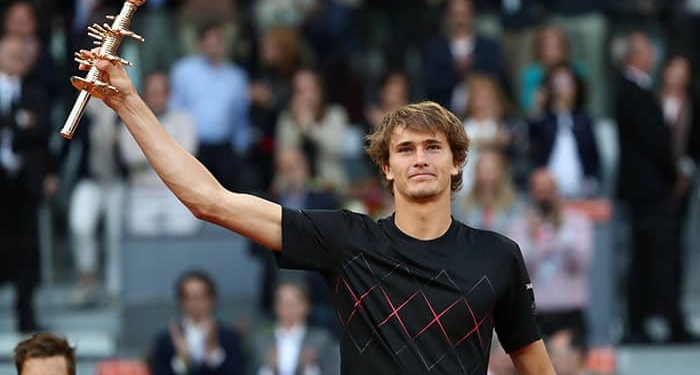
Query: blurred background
584, 118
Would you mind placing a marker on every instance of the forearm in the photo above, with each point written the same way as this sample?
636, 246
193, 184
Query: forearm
188, 179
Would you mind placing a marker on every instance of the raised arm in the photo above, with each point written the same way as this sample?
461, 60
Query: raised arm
185, 176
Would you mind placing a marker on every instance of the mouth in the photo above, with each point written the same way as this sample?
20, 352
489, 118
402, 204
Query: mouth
421, 175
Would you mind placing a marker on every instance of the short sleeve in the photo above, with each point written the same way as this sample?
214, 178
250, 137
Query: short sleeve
313, 239
516, 312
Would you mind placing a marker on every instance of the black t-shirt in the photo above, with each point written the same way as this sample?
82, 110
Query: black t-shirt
407, 306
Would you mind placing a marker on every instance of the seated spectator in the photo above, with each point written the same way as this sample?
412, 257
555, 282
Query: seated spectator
151, 208
194, 14
551, 49
568, 351
457, 52
98, 194
316, 127
394, 91
44, 353
196, 343
485, 122
562, 138
290, 345
280, 57
291, 188
492, 203
557, 245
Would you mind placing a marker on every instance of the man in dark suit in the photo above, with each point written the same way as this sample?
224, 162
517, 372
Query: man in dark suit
24, 167
646, 178
291, 346
291, 187
456, 52
196, 344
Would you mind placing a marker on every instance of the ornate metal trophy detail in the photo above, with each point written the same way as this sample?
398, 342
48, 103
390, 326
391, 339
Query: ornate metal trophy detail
108, 38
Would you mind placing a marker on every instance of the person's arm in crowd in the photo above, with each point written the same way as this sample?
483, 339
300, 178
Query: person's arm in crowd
185, 176
576, 241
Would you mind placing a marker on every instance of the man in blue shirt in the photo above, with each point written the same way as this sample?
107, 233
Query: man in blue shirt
215, 92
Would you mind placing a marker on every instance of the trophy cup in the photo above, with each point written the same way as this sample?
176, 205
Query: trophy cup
107, 37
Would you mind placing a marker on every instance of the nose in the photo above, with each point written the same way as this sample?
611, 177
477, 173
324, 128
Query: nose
421, 159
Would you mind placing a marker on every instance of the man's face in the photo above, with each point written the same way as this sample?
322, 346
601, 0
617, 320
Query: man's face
155, 92
196, 299
645, 56
420, 164
291, 170
394, 94
460, 14
55, 365
290, 306
20, 20
213, 45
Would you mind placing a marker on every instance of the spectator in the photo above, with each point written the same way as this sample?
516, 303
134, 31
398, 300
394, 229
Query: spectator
152, 208
98, 193
449, 57
215, 92
562, 138
318, 128
292, 188
680, 104
568, 351
196, 343
520, 20
586, 26
291, 346
485, 122
551, 49
492, 203
281, 56
25, 166
557, 244
646, 159
44, 353
394, 91
195, 15
21, 20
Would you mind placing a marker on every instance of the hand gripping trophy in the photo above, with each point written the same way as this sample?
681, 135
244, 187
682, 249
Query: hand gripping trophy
108, 37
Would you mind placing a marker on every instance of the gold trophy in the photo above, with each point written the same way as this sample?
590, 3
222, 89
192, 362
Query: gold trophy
108, 37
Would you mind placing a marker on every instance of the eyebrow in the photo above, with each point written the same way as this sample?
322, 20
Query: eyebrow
427, 141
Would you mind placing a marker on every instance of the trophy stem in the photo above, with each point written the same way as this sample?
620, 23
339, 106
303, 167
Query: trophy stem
75, 114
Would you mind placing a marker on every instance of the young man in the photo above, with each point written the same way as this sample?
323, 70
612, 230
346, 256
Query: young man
44, 354
417, 292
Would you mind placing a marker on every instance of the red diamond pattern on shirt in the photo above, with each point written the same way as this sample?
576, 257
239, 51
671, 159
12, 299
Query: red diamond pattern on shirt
419, 304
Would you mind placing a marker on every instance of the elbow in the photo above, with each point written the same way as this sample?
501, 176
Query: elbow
204, 206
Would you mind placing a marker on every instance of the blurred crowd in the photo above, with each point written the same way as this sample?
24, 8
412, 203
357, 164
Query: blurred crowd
577, 111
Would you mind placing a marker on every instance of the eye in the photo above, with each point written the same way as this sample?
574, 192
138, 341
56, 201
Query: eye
403, 149
434, 147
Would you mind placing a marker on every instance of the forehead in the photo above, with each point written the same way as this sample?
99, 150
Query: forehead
55, 365
411, 134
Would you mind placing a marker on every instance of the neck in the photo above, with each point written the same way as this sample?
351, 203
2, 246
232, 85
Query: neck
425, 220
288, 325
487, 198
460, 32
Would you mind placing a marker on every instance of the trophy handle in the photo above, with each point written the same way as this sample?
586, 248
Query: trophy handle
108, 37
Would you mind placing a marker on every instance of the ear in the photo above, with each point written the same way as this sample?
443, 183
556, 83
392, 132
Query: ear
388, 174
455, 169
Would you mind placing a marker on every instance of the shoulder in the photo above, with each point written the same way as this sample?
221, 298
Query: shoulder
495, 243
336, 111
185, 63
